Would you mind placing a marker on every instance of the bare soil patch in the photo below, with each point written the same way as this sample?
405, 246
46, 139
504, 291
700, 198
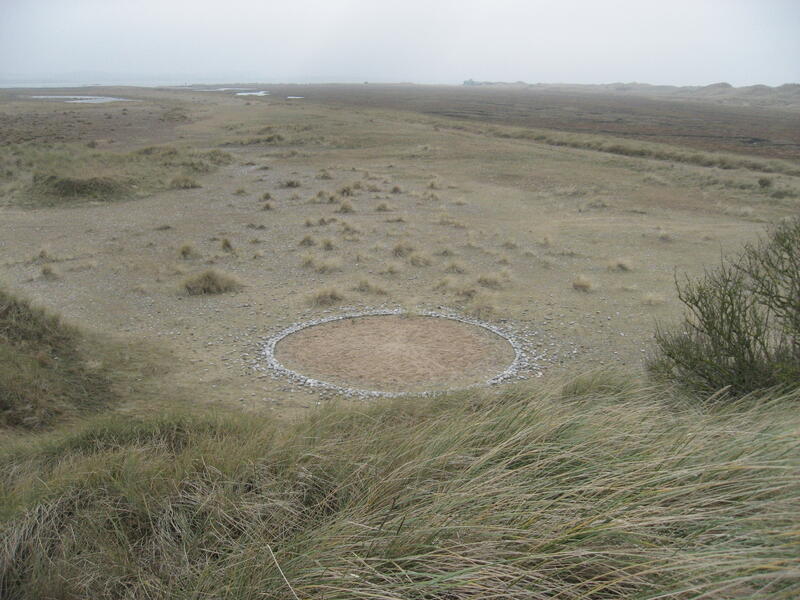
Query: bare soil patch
394, 353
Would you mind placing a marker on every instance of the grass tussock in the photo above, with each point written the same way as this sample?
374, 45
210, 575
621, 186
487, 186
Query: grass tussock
46, 373
456, 268
345, 208
308, 241
419, 259
321, 265
183, 182
581, 283
326, 297
50, 273
598, 490
366, 286
621, 265
402, 249
211, 281
187, 251
95, 188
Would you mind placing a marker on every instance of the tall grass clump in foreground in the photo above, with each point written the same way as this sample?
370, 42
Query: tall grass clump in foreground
595, 489
44, 372
742, 328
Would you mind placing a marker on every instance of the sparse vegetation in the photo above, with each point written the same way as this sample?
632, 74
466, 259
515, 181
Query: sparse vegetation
346, 207
326, 297
402, 249
455, 267
621, 265
211, 281
418, 259
391, 269
187, 251
368, 287
582, 284
49, 272
183, 182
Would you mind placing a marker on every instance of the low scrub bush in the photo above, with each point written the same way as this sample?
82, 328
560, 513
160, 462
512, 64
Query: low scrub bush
741, 331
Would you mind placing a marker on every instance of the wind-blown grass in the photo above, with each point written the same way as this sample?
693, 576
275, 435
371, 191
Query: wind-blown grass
596, 489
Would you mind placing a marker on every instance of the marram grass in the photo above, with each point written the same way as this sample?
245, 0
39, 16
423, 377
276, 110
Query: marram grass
592, 489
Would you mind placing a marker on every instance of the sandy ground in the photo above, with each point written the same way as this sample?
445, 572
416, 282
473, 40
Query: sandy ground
396, 354
500, 229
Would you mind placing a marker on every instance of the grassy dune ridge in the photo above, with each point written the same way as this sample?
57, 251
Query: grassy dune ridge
37, 175
597, 488
45, 371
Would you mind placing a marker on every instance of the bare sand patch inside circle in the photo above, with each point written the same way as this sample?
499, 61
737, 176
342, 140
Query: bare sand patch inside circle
396, 353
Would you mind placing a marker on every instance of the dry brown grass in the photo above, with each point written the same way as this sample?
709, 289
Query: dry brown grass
267, 206
328, 245
495, 281
44, 255
456, 268
666, 236
345, 208
582, 283
308, 241
391, 269
448, 221
326, 297
226, 245
653, 299
183, 183
50, 273
211, 281
368, 287
383, 207
419, 259
402, 249
187, 251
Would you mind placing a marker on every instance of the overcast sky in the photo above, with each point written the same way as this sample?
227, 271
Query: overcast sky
684, 42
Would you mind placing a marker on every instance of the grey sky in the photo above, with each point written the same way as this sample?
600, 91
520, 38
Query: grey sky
691, 42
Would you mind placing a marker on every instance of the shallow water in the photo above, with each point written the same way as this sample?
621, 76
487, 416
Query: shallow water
83, 99
260, 93
295, 97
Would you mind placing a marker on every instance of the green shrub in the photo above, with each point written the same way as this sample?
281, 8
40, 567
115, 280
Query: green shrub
742, 328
